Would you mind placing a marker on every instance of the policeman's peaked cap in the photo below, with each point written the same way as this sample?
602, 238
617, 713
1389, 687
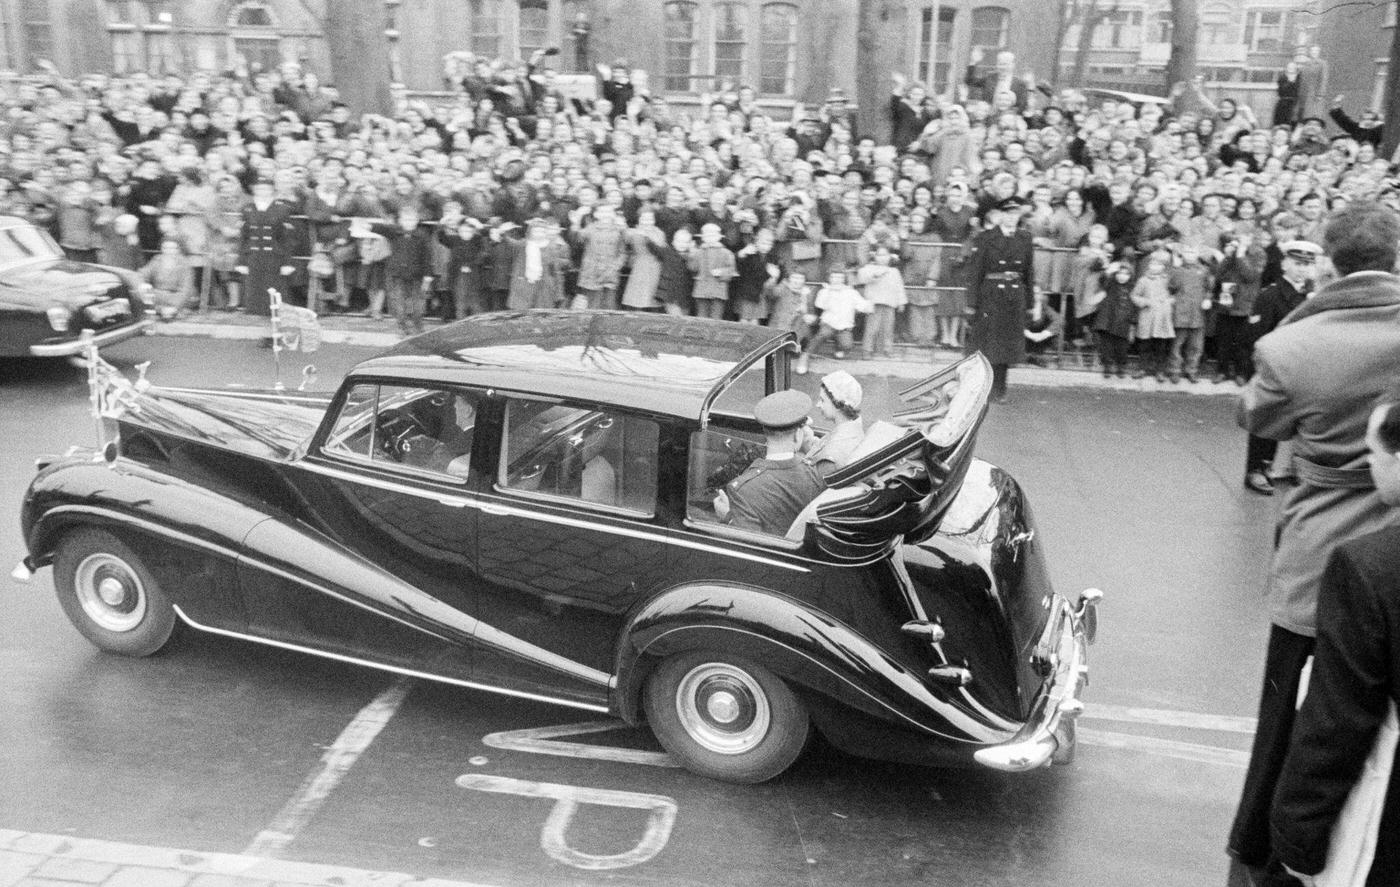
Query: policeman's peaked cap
782, 410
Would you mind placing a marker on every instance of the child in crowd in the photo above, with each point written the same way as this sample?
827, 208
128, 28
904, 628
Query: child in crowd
604, 254
171, 277
121, 245
757, 269
1192, 284
713, 265
1043, 325
884, 290
1086, 276
78, 233
789, 304
838, 302
408, 270
1115, 319
1153, 297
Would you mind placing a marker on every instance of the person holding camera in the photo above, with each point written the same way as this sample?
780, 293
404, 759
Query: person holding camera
1238, 287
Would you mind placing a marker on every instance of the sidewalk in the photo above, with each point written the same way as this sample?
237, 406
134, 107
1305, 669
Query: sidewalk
32, 859
911, 362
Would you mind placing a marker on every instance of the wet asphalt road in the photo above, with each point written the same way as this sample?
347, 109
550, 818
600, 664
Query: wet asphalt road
202, 746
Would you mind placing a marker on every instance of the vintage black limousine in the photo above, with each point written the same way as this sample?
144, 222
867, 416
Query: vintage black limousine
522, 503
47, 302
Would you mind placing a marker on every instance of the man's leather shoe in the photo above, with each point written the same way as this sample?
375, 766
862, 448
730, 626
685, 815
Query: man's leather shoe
1258, 482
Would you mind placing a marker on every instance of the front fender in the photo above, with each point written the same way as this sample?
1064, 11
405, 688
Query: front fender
801, 645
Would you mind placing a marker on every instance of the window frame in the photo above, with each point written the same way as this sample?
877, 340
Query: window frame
347, 458
1253, 24
498, 476
668, 78
989, 50
36, 27
499, 15
789, 44
545, 32
741, 9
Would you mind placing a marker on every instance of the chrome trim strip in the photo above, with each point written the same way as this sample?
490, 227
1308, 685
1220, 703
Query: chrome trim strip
76, 346
408, 672
499, 507
773, 346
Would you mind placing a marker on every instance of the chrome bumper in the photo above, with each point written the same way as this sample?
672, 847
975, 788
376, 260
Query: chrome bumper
1048, 735
77, 346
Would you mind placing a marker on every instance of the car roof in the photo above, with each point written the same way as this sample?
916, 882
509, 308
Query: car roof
656, 363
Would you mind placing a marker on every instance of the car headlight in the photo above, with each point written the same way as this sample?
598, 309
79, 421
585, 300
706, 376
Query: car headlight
59, 318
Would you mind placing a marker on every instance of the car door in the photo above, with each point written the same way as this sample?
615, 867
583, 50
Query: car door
569, 538
380, 562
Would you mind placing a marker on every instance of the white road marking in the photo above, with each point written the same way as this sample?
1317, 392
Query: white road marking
335, 763
1098, 711
567, 798
1166, 748
541, 741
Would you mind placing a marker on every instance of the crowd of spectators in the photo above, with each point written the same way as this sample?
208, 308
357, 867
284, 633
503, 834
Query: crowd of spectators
1158, 222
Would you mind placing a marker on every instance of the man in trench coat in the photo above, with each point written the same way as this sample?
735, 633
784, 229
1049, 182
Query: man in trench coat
1316, 378
999, 293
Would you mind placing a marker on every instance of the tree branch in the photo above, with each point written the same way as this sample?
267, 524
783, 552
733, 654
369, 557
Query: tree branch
1369, 4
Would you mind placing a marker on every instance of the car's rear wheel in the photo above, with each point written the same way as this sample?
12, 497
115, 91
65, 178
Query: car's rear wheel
109, 595
725, 717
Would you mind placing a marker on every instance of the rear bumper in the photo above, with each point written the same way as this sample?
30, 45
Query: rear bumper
107, 337
1048, 734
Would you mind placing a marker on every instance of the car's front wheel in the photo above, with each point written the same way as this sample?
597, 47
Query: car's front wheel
725, 717
109, 595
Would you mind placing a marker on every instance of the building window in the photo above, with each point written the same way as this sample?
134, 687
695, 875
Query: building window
1119, 30
126, 52
936, 47
990, 25
253, 16
1266, 30
778, 64
534, 26
1159, 28
1218, 26
578, 29
680, 46
486, 28
38, 31
161, 57
731, 21
253, 35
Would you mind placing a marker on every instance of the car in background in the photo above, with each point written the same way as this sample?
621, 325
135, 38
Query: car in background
48, 303
522, 503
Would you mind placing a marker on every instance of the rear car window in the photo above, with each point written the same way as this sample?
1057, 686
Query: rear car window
580, 454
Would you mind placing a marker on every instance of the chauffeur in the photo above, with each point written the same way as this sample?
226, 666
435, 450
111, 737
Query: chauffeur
999, 293
264, 249
770, 494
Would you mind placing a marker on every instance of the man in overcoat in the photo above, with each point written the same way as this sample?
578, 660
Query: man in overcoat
999, 286
1316, 378
265, 248
1355, 674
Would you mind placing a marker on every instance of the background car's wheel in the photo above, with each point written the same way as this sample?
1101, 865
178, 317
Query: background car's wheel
110, 595
725, 717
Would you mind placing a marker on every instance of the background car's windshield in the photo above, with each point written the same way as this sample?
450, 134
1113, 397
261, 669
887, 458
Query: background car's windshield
22, 244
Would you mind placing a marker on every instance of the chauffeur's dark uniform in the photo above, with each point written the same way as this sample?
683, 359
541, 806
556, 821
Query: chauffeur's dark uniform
771, 493
265, 246
998, 297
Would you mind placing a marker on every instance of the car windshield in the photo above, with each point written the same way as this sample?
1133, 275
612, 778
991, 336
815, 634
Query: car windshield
26, 243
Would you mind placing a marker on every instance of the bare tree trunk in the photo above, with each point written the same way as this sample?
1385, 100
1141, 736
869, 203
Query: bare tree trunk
1069, 13
1186, 20
1090, 18
1390, 109
360, 54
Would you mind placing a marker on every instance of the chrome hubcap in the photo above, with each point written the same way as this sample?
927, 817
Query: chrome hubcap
110, 592
723, 708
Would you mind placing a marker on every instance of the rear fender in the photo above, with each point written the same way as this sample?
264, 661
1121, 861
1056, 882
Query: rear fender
803, 646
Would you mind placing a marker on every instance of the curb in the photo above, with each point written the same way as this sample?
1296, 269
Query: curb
904, 367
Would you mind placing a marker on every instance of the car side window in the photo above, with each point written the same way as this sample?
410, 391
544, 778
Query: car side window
717, 456
427, 429
593, 456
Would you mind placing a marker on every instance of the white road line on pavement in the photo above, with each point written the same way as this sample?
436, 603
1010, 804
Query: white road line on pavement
1166, 748
554, 838
335, 763
1167, 718
541, 741
25, 852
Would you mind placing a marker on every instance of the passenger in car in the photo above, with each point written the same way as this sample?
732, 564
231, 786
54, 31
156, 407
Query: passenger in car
769, 495
453, 450
839, 402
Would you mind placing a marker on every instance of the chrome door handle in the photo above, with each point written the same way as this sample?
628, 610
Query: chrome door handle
497, 510
452, 502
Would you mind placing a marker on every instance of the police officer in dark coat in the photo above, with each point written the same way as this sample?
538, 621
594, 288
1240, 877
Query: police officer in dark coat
265, 248
770, 494
1275, 302
999, 292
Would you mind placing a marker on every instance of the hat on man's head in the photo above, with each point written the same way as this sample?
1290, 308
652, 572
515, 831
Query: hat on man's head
837, 94
1304, 251
782, 410
1318, 120
843, 389
1010, 204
